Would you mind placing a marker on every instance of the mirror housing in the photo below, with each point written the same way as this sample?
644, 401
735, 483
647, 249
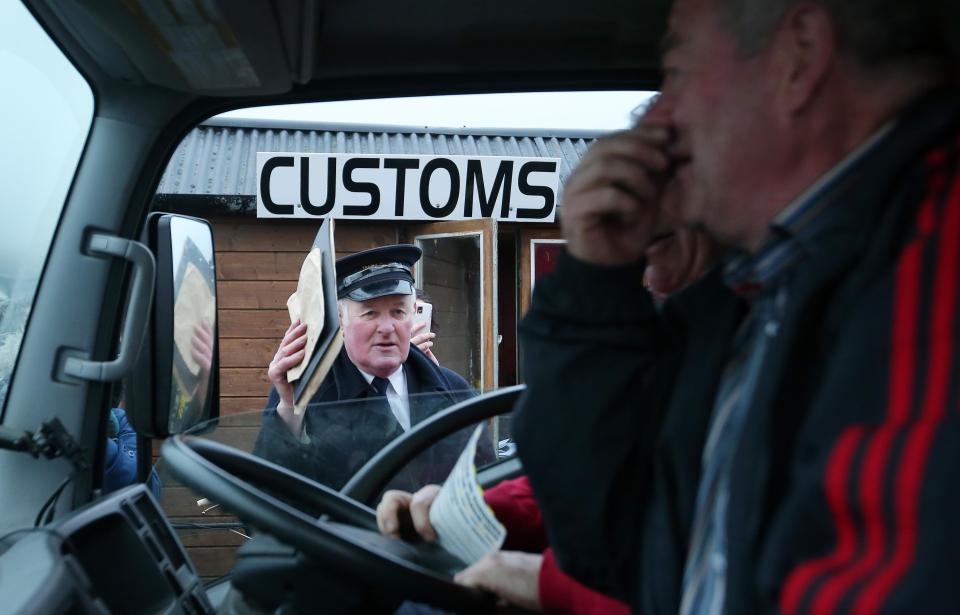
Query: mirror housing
175, 385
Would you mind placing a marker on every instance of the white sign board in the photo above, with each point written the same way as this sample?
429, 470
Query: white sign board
388, 187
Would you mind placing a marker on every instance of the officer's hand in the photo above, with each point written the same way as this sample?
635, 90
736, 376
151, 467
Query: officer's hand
201, 347
398, 507
513, 576
423, 341
288, 356
611, 203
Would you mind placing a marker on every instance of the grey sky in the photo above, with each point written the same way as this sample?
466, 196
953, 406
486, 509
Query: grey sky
566, 110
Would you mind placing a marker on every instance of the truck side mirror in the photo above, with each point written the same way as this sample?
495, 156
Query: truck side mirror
175, 384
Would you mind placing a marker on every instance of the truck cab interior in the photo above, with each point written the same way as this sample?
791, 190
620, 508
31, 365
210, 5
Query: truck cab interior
100, 94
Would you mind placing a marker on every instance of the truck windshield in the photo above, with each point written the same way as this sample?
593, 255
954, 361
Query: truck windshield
47, 109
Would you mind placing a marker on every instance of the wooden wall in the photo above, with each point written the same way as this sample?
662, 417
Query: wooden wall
258, 262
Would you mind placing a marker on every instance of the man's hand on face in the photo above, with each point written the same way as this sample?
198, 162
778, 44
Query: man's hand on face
611, 203
399, 507
512, 576
289, 355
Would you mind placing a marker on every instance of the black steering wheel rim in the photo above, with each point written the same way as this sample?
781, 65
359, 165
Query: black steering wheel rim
227, 475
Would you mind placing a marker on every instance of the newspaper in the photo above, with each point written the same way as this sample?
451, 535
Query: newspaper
465, 525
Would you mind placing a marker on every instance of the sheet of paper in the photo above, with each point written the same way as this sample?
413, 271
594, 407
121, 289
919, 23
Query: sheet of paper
465, 525
306, 304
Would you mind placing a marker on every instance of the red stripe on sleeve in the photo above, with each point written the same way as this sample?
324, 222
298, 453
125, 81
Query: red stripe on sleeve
838, 468
843, 561
909, 479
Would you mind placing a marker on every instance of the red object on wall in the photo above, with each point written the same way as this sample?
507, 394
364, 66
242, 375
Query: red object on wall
545, 257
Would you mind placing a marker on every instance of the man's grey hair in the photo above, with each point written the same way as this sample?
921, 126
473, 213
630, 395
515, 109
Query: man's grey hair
877, 34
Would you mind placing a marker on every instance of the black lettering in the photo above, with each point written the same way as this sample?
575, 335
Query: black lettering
309, 207
265, 173
542, 191
354, 186
402, 165
425, 204
502, 181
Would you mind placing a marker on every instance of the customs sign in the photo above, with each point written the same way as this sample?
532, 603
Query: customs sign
397, 187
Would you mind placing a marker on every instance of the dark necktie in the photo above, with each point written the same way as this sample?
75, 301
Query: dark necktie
380, 384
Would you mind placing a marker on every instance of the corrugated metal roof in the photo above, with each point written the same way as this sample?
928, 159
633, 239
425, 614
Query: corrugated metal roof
218, 158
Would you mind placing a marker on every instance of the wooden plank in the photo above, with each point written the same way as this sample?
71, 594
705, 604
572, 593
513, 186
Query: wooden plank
209, 537
231, 235
178, 501
263, 235
242, 411
213, 562
263, 295
270, 324
350, 237
248, 352
259, 265
241, 438
244, 382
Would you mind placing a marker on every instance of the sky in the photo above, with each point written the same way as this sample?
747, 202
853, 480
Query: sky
563, 110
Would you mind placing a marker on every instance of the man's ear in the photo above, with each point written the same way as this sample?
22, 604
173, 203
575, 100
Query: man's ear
806, 52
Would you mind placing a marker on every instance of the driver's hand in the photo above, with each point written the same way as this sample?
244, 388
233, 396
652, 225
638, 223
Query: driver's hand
399, 507
513, 576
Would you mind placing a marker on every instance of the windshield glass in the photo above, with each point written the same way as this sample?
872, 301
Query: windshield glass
47, 110
336, 440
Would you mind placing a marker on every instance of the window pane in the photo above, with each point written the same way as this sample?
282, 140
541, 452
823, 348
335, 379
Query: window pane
47, 112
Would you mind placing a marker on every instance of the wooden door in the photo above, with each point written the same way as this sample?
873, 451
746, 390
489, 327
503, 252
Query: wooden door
458, 273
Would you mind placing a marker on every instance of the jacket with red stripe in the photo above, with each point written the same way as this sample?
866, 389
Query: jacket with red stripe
845, 488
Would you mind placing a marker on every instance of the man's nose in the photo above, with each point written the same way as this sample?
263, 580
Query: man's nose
385, 324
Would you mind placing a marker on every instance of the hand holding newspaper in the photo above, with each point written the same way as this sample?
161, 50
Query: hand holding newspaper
315, 303
464, 523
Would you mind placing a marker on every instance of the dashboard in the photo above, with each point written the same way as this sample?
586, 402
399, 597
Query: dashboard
116, 555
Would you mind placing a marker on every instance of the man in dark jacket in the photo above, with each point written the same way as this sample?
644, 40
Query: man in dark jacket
381, 379
783, 436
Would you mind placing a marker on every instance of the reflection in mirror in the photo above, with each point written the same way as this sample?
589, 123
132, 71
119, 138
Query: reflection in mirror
337, 438
194, 321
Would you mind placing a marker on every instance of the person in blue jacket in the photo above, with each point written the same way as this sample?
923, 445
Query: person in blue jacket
120, 462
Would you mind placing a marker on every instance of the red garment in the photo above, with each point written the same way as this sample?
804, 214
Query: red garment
513, 504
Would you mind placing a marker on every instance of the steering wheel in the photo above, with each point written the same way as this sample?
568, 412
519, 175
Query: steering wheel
345, 539
373, 477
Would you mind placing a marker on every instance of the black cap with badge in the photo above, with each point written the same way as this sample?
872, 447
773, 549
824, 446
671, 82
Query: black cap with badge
377, 272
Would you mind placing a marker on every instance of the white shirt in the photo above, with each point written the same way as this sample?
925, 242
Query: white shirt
396, 396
